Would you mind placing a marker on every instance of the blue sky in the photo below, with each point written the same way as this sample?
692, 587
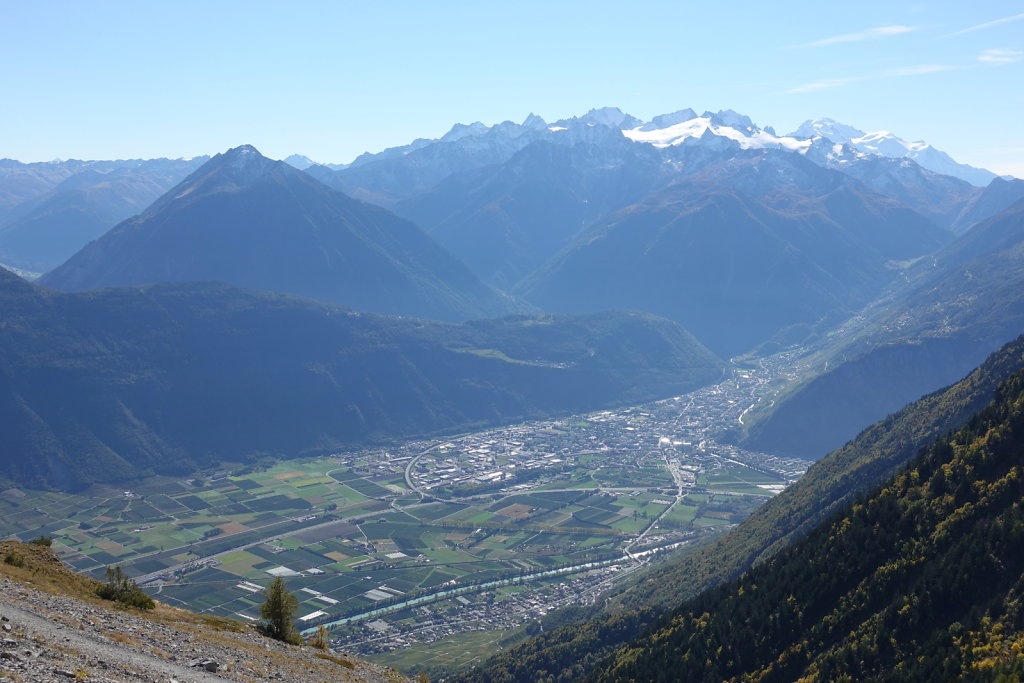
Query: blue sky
107, 79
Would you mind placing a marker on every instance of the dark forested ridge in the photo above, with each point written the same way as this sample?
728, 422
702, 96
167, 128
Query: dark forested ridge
567, 653
119, 383
877, 453
921, 580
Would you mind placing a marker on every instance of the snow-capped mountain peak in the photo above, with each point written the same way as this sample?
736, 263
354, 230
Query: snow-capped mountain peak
824, 140
461, 130
731, 119
826, 128
666, 120
241, 164
886, 144
674, 129
612, 117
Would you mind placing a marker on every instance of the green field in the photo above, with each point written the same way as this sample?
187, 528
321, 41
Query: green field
457, 650
349, 536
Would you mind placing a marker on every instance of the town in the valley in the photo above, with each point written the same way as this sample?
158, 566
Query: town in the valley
440, 543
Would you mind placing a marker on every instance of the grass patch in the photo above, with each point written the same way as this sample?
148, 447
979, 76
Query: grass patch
122, 638
340, 661
42, 568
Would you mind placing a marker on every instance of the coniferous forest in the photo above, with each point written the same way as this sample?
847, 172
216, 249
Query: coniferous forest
578, 650
485, 343
919, 580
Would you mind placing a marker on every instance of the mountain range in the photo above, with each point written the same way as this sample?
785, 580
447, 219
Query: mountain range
918, 580
234, 307
247, 220
952, 310
629, 629
120, 383
518, 202
48, 211
885, 144
751, 240
739, 251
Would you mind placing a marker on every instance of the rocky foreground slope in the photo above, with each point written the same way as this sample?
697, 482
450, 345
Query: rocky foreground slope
52, 630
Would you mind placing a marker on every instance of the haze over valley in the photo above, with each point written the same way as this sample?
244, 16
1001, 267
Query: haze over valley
636, 392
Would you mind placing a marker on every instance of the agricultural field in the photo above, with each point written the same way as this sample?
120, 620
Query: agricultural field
350, 539
417, 531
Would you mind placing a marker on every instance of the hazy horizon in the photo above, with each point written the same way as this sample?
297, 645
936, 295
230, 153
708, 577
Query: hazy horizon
334, 80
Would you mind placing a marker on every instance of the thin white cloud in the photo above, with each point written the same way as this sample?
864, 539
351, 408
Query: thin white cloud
824, 84
869, 34
827, 83
988, 24
916, 70
1000, 57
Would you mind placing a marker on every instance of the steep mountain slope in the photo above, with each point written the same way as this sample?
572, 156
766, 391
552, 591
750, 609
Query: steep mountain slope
997, 197
884, 143
57, 629
507, 219
504, 207
963, 303
405, 173
920, 580
45, 231
940, 198
401, 173
571, 652
739, 251
24, 185
21, 183
257, 223
119, 383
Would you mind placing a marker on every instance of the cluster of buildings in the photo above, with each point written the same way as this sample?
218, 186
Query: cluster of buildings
484, 611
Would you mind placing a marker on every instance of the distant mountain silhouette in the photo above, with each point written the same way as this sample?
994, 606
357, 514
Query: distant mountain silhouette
50, 229
506, 220
959, 306
740, 251
117, 383
249, 221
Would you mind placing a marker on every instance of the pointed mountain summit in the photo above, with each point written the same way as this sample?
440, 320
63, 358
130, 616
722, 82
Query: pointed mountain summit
253, 222
884, 143
534, 121
612, 117
827, 128
299, 161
